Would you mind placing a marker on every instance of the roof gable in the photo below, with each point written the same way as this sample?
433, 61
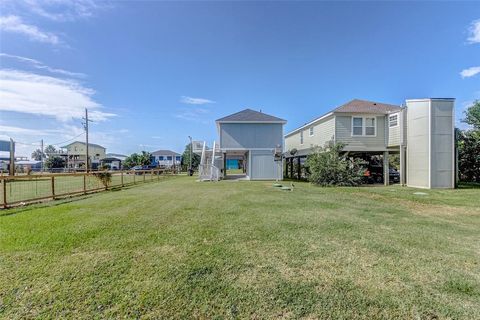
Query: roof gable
249, 115
364, 106
83, 143
165, 153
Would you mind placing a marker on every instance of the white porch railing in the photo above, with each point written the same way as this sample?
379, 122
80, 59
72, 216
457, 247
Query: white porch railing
208, 172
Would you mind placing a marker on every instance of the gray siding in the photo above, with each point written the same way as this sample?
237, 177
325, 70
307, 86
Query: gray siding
442, 163
418, 148
324, 131
263, 166
251, 135
343, 133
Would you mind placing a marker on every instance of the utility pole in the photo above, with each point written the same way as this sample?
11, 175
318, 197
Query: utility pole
190, 171
12, 157
41, 154
85, 125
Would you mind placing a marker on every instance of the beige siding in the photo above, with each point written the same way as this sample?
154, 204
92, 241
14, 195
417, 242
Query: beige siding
323, 132
394, 133
95, 153
343, 133
418, 148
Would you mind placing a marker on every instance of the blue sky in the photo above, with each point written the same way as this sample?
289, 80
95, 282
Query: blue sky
153, 73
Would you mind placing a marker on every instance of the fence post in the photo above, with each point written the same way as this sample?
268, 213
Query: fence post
53, 187
158, 175
134, 177
84, 184
144, 173
121, 177
4, 182
151, 175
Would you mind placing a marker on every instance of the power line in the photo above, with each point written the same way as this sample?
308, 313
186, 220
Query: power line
62, 142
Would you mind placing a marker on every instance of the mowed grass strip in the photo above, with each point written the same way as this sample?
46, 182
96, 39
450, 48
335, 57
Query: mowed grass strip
185, 249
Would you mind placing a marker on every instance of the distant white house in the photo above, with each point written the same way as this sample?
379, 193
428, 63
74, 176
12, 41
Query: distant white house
166, 158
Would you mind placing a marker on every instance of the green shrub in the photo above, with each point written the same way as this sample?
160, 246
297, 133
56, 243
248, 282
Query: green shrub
105, 177
331, 166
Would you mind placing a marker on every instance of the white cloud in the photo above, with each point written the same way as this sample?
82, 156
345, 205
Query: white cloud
11, 130
63, 10
196, 115
48, 96
16, 25
470, 72
39, 65
198, 101
474, 31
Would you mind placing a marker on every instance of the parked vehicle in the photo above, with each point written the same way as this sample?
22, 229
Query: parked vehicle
139, 169
374, 174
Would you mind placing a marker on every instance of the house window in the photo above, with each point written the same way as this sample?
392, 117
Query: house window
364, 126
160, 158
393, 120
357, 126
311, 131
169, 158
370, 126
301, 137
177, 158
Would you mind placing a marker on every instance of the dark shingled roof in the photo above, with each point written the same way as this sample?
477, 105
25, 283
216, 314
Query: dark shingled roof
165, 153
363, 106
249, 115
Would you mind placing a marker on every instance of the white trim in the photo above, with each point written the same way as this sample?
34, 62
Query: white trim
311, 131
302, 138
429, 144
309, 123
364, 126
282, 122
429, 99
454, 156
245, 149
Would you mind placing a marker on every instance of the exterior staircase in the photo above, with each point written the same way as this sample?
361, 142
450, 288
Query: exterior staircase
208, 170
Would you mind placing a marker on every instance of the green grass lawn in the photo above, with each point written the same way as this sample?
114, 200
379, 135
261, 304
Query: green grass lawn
184, 249
38, 186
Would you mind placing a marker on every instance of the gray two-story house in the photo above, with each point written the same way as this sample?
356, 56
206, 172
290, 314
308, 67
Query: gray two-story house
255, 137
421, 132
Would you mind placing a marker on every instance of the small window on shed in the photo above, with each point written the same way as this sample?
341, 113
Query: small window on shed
301, 137
311, 131
393, 120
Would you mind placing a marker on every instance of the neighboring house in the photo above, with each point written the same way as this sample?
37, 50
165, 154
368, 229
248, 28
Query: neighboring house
75, 155
253, 138
25, 166
422, 133
113, 161
166, 158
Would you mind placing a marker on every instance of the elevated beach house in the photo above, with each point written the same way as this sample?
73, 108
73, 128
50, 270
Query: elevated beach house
251, 137
421, 132
166, 158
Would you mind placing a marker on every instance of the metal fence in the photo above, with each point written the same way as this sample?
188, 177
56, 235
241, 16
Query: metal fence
19, 190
